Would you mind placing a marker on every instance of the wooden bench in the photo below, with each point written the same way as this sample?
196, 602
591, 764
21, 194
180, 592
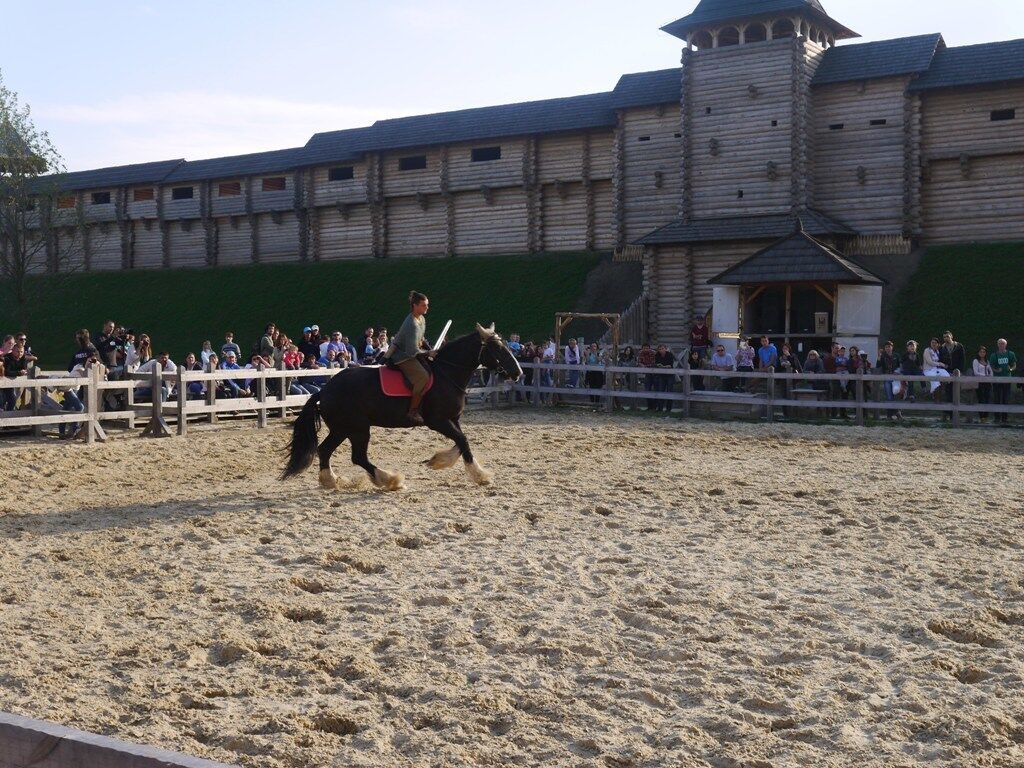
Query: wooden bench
808, 393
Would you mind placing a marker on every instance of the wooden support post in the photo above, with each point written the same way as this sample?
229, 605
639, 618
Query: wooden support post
211, 394
956, 397
770, 387
93, 428
282, 389
157, 427
492, 381
261, 396
130, 403
858, 388
687, 389
536, 383
37, 400
182, 387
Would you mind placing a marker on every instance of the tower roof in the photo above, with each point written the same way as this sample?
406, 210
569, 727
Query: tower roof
720, 11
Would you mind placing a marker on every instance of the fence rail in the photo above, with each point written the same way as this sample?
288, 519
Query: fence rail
767, 391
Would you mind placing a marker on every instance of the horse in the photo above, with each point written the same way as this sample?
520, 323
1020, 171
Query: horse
354, 400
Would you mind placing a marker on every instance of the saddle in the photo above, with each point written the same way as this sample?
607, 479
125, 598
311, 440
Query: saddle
394, 384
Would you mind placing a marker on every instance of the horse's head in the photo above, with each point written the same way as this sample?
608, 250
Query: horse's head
496, 356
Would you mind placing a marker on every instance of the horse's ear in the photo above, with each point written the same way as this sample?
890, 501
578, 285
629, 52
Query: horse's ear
485, 333
491, 329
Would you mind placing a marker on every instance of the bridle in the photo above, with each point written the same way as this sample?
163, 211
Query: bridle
437, 362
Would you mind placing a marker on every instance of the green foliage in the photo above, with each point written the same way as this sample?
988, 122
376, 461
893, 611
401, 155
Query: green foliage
973, 290
181, 308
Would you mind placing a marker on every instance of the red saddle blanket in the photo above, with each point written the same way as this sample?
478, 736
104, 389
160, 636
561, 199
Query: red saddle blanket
393, 383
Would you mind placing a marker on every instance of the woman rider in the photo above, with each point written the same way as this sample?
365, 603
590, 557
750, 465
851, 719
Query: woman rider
406, 344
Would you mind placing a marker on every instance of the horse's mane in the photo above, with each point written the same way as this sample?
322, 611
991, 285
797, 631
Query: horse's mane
467, 347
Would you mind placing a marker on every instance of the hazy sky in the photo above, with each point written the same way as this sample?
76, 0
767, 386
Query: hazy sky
119, 82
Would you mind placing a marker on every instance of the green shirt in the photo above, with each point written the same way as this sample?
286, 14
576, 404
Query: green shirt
409, 339
1001, 363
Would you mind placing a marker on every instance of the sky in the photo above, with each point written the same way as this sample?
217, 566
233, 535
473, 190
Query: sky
119, 82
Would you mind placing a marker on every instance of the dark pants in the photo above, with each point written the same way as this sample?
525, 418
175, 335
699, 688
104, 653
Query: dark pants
984, 397
651, 385
1001, 396
664, 383
8, 399
595, 380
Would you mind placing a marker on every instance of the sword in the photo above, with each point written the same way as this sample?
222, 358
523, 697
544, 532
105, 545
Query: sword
440, 339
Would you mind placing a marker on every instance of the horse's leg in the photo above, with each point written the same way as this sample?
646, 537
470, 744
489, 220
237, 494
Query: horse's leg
389, 481
452, 429
328, 479
447, 459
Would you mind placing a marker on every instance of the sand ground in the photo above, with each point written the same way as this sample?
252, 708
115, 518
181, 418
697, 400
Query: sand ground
629, 592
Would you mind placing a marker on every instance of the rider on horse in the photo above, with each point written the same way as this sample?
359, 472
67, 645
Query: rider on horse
405, 347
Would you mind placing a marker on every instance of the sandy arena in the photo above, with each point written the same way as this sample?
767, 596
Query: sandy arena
629, 592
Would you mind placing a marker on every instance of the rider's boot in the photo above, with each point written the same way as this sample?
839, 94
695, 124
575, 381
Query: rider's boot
414, 416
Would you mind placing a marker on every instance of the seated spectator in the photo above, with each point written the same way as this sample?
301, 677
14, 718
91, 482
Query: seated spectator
311, 364
744, 362
143, 350
195, 389
143, 387
329, 359
255, 363
788, 361
309, 346
933, 366
815, 365
71, 400
233, 387
106, 344
353, 353
514, 344
7, 346
230, 346
767, 355
695, 361
86, 349
336, 343
15, 365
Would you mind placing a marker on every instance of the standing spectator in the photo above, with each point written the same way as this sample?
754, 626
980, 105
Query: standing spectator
106, 344
934, 367
336, 343
700, 337
835, 363
666, 381
309, 346
529, 354
1004, 363
15, 366
572, 357
723, 361
206, 351
85, 349
7, 346
230, 346
514, 344
695, 361
627, 359
815, 365
952, 354
22, 339
645, 359
910, 365
144, 390
744, 362
767, 355
983, 369
889, 363
547, 374
265, 346
315, 334
353, 353
595, 377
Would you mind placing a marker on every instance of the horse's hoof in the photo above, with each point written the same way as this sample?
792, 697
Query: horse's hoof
480, 475
388, 481
328, 480
444, 459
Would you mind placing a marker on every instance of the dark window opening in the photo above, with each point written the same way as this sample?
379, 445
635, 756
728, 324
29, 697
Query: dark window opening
707, 110
182, 193
679, 135
644, 138
229, 189
142, 194
101, 198
274, 184
998, 115
484, 154
879, 122
739, 195
837, 126
341, 173
775, 123
412, 163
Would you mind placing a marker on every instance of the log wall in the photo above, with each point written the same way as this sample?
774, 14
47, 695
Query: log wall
651, 144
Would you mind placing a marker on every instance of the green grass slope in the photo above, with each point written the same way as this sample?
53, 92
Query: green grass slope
181, 308
976, 291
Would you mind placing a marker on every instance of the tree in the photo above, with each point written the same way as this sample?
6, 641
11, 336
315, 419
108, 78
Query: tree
40, 231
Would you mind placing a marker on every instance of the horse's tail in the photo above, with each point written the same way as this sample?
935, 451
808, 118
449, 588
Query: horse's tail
302, 448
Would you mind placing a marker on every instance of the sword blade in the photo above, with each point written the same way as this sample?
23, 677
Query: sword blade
444, 333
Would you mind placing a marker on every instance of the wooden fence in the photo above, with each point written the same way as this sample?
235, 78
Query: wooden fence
766, 393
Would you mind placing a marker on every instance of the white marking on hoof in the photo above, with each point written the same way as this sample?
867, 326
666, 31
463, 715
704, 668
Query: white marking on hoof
328, 480
388, 481
480, 475
444, 459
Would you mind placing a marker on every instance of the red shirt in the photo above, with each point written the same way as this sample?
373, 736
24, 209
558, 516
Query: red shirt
700, 336
646, 358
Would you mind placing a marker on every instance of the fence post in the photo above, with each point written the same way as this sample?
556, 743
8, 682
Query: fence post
157, 427
37, 400
182, 387
858, 388
687, 388
261, 396
282, 389
130, 401
93, 429
211, 393
956, 397
608, 400
770, 391
536, 382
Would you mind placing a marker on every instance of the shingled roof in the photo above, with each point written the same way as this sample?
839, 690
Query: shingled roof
765, 227
237, 165
573, 113
648, 88
885, 58
117, 176
983, 64
719, 11
796, 258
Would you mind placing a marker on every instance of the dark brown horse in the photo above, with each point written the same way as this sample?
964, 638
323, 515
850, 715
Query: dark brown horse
353, 401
